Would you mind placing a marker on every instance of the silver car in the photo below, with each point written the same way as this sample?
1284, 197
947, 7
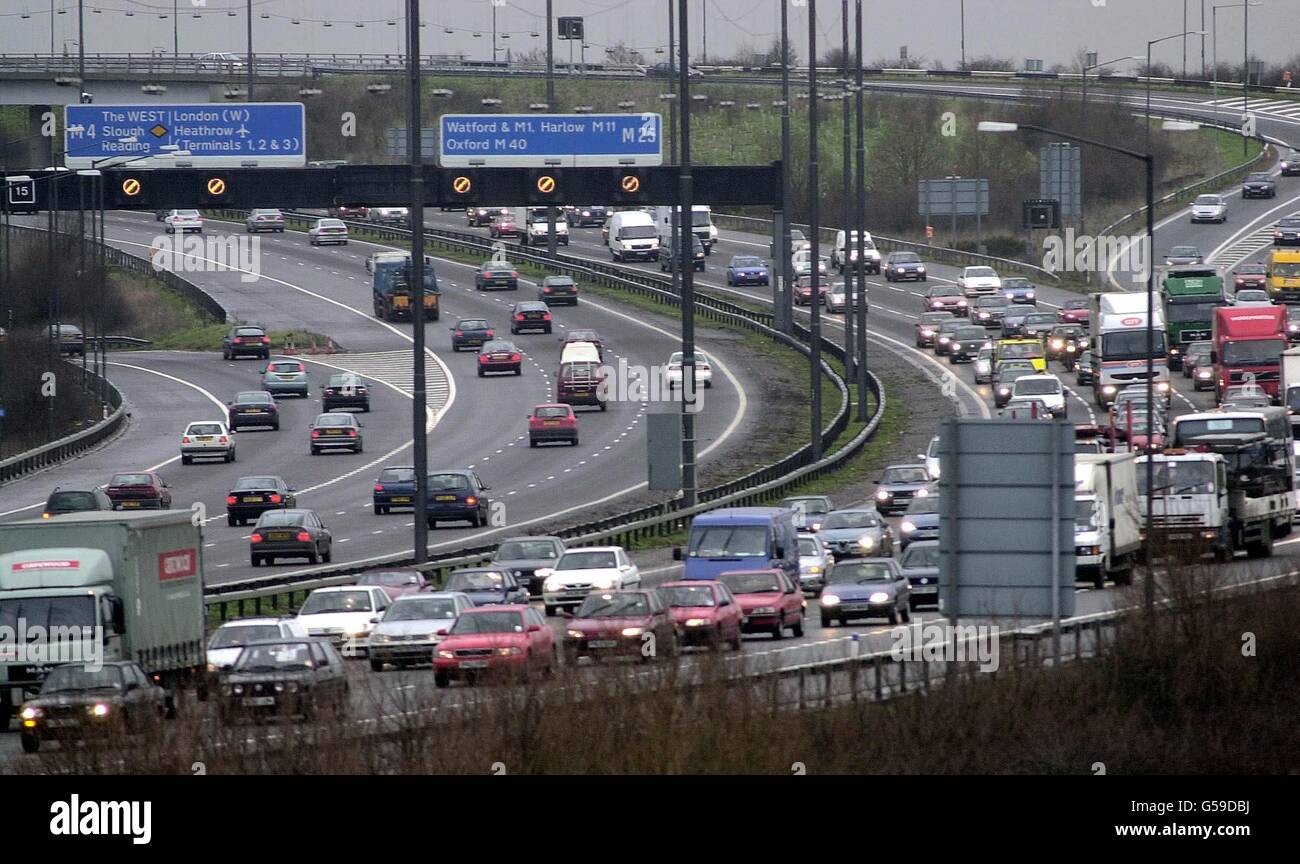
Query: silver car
857, 533
815, 564
411, 627
231, 637
1209, 208
285, 376
264, 219
207, 439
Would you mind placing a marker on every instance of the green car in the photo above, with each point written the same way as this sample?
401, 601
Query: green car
283, 377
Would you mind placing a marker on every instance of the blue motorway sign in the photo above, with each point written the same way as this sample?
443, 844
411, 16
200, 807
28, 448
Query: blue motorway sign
247, 134
532, 140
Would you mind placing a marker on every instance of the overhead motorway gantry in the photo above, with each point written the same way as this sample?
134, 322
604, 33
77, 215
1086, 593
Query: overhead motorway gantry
171, 188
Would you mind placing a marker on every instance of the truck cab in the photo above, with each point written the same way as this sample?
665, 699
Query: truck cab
1248, 346
535, 229
1283, 275
1191, 293
391, 287
1119, 345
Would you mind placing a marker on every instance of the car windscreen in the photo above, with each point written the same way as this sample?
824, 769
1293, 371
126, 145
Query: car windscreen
614, 605
1189, 313
273, 657
70, 501
523, 550
488, 622
421, 609
254, 397
448, 483
980, 272
47, 612
481, 580
688, 595
551, 413
751, 583
280, 519
906, 258
1262, 352
729, 541
851, 519
637, 232
904, 475
587, 561
928, 504
1024, 350
808, 546
1037, 387
249, 331
286, 367
205, 429
1208, 200
397, 475
334, 420
234, 635
256, 483
858, 572
1179, 478
131, 480
75, 677
388, 580
747, 262
918, 555
323, 602
472, 324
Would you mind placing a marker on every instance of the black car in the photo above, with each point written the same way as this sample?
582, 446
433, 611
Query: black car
70, 339
920, 563
928, 327
245, 341
496, 274
1259, 185
1290, 164
1013, 320
335, 430
524, 556
904, 266
1064, 342
487, 586
966, 343
590, 216
669, 259
988, 311
345, 390
500, 355
456, 496
558, 289
394, 488
253, 408
1085, 369
290, 534
253, 496
63, 501
470, 333
1287, 232
80, 700
530, 315
287, 678
477, 217
1037, 325
947, 330
898, 485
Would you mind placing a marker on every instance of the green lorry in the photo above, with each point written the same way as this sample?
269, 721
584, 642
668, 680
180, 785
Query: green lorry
94, 587
1190, 294
390, 284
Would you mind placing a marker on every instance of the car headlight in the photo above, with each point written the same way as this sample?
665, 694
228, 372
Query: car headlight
813, 569
447, 655
961, 303
830, 600
355, 629
1058, 344
380, 637
552, 586
509, 652
907, 527
212, 667
1004, 391
866, 541
603, 583
99, 709
1029, 295
922, 492
32, 713
1109, 389
925, 331
1162, 386
237, 690
632, 632
883, 495
878, 597
697, 622
1203, 374
279, 686
573, 634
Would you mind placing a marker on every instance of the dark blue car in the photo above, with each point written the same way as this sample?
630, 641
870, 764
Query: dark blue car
1018, 289
747, 270
866, 588
920, 521
394, 488
456, 495
487, 586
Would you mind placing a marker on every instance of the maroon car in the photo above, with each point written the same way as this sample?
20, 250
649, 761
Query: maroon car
946, 298
1250, 276
395, 582
504, 226
1074, 311
768, 599
504, 641
141, 491
803, 288
636, 623
705, 612
349, 211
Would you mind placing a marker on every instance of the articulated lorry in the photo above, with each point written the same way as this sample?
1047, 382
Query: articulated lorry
1119, 325
101, 586
1190, 294
391, 286
1107, 520
1228, 482
1248, 346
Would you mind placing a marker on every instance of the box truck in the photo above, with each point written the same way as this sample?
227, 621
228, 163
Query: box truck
534, 229
1248, 346
701, 224
1107, 519
1119, 324
101, 586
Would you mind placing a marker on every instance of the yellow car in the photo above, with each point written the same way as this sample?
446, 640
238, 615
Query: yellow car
1021, 349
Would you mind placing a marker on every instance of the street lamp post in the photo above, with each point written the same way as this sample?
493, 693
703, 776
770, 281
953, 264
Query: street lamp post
686, 263
860, 307
845, 206
1214, 47
784, 295
814, 230
1149, 167
419, 403
551, 238
1087, 69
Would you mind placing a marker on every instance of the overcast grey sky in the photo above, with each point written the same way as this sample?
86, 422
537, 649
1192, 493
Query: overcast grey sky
1052, 30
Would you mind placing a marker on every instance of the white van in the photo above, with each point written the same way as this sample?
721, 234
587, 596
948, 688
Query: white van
840, 257
701, 224
632, 235
532, 225
580, 352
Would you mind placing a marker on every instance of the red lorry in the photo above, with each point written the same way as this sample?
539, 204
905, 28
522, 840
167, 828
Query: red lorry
1248, 346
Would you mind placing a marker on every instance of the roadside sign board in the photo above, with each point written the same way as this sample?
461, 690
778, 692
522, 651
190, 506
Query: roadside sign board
248, 134
550, 140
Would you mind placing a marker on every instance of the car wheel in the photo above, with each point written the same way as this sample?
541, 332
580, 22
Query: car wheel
574, 442
906, 613
778, 632
551, 610
380, 511
798, 627
185, 460
328, 557
519, 370
31, 743
893, 615
827, 621
255, 561
232, 521
313, 558
532, 443
481, 374
376, 665
440, 680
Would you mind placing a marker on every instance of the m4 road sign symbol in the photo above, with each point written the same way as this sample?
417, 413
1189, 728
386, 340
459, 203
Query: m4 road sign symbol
461, 185
216, 186
131, 186
631, 183
546, 184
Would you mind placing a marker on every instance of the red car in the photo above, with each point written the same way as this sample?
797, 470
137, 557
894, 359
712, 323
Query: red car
636, 623
705, 612
946, 298
1073, 312
139, 491
768, 599
395, 582
803, 290
552, 421
503, 226
350, 212
495, 640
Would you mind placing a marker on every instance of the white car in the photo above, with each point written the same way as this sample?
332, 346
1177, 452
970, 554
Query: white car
184, 221
979, 282
328, 231
703, 371
207, 439
1047, 388
931, 457
579, 571
801, 263
219, 60
344, 614
390, 215
1251, 297
231, 637
1210, 208
413, 626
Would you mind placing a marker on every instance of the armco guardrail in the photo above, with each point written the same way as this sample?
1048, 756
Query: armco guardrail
764, 228
72, 445
626, 528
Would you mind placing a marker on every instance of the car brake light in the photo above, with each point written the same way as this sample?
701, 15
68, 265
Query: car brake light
519, 317
460, 333
231, 499
223, 440
514, 272
304, 537
185, 439
489, 334
471, 500
238, 341
352, 432
546, 289
379, 487
514, 356
302, 368
255, 538
482, 358
276, 499
546, 317
315, 433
